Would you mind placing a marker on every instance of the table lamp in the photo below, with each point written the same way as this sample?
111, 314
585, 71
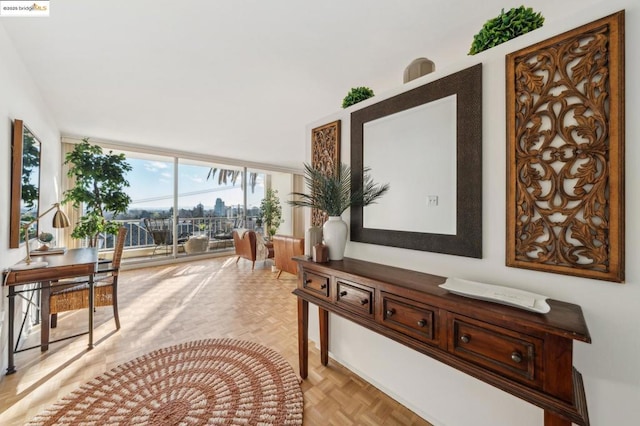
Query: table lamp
60, 220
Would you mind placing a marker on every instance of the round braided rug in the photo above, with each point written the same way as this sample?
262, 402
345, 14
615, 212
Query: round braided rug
206, 382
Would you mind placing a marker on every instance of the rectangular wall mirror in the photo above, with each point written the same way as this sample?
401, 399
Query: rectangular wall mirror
427, 144
25, 183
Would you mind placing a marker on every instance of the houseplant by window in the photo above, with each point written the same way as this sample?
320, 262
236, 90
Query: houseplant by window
271, 212
332, 194
99, 189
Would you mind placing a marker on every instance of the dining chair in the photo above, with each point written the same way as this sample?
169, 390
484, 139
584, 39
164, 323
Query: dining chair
75, 295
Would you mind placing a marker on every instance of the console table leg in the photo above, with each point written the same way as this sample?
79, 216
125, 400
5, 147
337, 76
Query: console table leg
552, 419
303, 337
324, 335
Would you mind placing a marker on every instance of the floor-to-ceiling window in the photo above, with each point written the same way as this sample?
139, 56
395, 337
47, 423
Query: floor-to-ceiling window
194, 198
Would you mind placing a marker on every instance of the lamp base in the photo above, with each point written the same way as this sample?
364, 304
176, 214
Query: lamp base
32, 265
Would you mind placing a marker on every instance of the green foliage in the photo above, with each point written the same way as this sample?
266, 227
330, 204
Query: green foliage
355, 95
227, 175
504, 27
332, 193
99, 188
30, 164
271, 211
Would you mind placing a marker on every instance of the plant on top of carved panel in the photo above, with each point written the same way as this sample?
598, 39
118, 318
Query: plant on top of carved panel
506, 26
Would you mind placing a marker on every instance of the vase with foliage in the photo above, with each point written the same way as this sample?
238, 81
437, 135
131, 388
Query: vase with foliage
355, 95
271, 212
99, 190
332, 194
504, 27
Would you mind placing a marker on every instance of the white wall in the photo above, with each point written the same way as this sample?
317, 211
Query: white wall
610, 365
20, 99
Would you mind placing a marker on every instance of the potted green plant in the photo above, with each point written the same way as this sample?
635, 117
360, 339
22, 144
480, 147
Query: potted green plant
331, 193
504, 27
99, 189
271, 212
355, 95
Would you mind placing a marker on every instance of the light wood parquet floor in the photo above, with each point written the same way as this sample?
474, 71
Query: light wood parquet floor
166, 305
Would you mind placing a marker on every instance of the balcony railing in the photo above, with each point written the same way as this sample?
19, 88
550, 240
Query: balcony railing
216, 228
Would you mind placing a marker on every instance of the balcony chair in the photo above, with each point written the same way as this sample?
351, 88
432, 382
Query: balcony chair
161, 230
251, 246
75, 295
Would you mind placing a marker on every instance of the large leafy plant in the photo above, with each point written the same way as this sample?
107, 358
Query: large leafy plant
331, 193
99, 188
504, 27
271, 211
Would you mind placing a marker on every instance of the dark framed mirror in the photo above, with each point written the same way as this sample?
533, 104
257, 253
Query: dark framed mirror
25, 183
427, 144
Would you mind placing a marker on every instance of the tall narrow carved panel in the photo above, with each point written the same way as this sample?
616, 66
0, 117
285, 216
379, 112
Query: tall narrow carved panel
325, 156
565, 163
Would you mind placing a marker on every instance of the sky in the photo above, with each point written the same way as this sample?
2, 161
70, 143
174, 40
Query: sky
152, 186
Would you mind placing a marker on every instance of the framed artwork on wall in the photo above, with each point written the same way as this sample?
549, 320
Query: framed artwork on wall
565, 153
325, 156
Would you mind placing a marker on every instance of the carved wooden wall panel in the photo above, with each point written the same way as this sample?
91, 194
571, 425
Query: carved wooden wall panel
325, 156
565, 163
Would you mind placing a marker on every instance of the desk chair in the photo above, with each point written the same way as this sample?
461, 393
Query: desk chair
73, 295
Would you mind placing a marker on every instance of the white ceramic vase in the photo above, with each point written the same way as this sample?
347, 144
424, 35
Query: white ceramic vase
334, 232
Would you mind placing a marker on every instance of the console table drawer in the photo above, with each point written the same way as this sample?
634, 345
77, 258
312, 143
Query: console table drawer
357, 298
513, 354
409, 317
317, 285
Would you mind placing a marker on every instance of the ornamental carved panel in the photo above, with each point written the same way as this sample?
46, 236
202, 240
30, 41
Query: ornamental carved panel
565, 161
325, 156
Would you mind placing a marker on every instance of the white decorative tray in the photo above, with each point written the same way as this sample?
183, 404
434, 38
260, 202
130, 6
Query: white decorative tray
499, 294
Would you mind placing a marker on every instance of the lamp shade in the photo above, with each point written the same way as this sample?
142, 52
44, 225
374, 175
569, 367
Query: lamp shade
60, 220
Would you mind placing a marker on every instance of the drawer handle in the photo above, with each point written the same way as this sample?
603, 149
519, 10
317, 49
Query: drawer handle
390, 312
516, 357
364, 301
343, 293
465, 338
323, 286
308, 280
422, 323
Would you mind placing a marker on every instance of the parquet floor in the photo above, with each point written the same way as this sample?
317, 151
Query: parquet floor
166, 305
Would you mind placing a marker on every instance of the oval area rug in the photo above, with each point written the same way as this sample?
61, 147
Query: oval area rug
205, 382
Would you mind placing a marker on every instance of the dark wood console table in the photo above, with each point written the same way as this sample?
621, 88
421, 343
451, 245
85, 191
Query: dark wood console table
526, 354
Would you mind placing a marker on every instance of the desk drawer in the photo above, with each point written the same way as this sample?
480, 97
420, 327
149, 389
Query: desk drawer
355, 297
409, 317
318, 285
504, 351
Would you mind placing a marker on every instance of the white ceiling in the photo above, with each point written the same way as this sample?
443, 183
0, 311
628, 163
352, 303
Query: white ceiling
231, 78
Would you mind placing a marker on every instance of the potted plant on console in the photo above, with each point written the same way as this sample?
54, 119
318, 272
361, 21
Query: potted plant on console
99, 188
332, 194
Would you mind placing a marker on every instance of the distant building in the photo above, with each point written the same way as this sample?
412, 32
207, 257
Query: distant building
219, 209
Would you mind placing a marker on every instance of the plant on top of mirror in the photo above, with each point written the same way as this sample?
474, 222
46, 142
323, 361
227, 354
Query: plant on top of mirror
504, 27
355, 95
99, 188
